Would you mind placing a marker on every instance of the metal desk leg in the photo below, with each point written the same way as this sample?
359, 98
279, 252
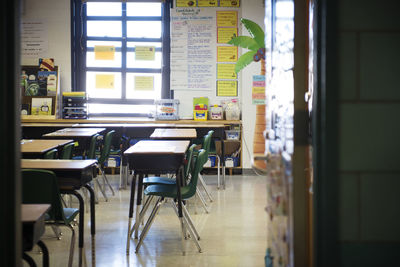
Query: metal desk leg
180, 213
45, 253
92, 222
28, 259
223, 161
81, 226
131, 201
138, 204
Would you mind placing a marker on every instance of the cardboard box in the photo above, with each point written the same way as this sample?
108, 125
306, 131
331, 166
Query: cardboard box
231, 146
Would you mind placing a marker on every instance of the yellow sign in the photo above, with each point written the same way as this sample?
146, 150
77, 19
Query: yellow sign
224, 35
145, 52
226, 71
207, 3
227, 88
227, 53
144, 83
104, 52
227, 19
185, 3
230, 3
105, 81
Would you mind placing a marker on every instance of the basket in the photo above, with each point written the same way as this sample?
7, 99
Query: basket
167, 109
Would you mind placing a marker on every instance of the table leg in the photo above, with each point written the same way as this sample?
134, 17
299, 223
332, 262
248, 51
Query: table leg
45, 252
131, 201
81, 225
223, 160
138, 204
28, 259
92, 222
180, 214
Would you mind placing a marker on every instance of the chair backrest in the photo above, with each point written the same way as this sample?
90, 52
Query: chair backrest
105, 152
51, 154
91, 154
199, 161
67, 150
40, 187
207, 141
189, 161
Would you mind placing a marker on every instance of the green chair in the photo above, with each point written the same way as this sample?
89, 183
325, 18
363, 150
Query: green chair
41, 187
170, 191
67, 151
51, 154
105, 153
91, 153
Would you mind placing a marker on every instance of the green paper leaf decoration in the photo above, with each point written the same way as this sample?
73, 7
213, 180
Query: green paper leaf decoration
244, 60
245, 42
255, 31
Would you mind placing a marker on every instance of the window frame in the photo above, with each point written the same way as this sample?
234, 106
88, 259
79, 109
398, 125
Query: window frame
79, 48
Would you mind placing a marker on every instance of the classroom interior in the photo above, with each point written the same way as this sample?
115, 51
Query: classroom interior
332, 137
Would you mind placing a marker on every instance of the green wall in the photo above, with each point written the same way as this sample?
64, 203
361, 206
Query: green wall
368, 49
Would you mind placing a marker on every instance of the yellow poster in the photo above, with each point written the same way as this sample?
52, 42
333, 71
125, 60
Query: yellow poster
104, 52
227, 53
145, 52
227, 19
144, 83
224, 35
105, 81
227, 88
230, 3
207, 3
226, 71
185, 3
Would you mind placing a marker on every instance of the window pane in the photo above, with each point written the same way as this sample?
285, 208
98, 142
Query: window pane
284, 9
131, 62
131, 91
112, 60
143, 9
103, 84
104, 28
104, 9
127, 109
144, 29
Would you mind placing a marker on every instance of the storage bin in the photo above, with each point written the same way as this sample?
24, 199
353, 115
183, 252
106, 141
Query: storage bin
232, 134
231, 162
167, 109
210, 162
113, 161
200, 115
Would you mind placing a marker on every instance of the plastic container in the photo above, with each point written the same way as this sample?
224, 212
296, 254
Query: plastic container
216, 112
232, 111
200, 115
232, 134
167, 109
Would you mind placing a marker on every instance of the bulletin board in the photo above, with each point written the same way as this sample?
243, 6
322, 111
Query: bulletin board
39, 92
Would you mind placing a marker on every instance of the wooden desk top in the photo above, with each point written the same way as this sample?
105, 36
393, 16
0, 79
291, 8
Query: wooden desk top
173, 133
41, 145
31, 213
158, 147
75, 132
58, 164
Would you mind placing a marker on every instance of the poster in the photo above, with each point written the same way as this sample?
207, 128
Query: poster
227, 54
227, 88
193, 41
258, 90
34, 39
207, 3
105, 81
104, 52
224, 35
227, 19
144, 83
226, 71
229, 3
145, 53
41, 106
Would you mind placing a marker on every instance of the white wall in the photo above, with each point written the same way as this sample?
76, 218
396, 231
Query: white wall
57, 16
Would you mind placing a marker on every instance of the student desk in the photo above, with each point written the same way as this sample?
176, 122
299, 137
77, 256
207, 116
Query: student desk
72, 175
33, 223
80, 135
36, 148
153, 157
171, 134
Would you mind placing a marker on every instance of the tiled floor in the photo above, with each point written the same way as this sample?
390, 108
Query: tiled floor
232, 234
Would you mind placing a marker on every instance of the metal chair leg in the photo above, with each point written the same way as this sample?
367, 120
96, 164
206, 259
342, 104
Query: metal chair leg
149, 223
106, 180
101, 189
72, 246
203, 183
203, 202
218, 170
141, 214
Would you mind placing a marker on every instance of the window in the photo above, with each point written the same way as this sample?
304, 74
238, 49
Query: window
120, 55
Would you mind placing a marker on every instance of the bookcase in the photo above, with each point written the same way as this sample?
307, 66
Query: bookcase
40, 93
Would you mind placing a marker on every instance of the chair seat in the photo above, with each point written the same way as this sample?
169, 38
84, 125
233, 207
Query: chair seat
167, 191
158, 180
69, 213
